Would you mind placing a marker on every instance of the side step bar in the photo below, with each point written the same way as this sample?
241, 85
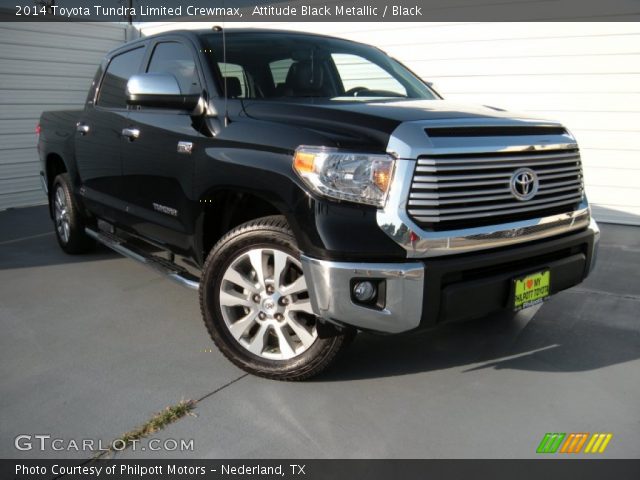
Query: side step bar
167, 268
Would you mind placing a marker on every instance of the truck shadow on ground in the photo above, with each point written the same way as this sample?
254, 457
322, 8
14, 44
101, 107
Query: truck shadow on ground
42, 250
565, 335
27, 239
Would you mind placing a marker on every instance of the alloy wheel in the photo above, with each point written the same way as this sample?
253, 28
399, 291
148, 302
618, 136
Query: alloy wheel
265, 304
61, 214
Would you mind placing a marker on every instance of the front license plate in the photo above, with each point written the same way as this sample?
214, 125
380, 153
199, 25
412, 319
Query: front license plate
531, 289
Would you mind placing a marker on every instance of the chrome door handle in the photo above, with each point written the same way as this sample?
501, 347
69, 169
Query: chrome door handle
82, 128
131, 133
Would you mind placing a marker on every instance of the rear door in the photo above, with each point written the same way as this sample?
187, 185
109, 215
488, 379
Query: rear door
158, 166
98, 136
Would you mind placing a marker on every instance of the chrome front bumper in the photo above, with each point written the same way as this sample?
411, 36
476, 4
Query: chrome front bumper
330, 293
330, 285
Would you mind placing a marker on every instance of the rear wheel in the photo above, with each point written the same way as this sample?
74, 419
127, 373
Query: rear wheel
255, 303
68, 222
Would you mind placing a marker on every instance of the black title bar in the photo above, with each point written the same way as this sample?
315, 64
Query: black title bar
318, 11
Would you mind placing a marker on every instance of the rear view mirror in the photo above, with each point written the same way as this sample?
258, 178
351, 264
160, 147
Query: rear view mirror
159, 90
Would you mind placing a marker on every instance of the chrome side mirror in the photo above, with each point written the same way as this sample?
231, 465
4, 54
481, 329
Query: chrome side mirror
159, 90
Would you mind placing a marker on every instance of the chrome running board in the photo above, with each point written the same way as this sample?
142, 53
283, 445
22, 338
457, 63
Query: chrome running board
167, 268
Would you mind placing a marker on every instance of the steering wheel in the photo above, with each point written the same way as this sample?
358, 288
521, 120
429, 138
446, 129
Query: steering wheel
353, 92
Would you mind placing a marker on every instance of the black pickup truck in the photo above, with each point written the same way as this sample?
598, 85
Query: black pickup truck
311, 187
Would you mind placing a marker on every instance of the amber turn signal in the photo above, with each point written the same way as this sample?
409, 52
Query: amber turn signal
303, 162
382, 176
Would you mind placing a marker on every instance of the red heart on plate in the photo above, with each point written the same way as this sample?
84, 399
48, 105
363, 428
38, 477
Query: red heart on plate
529, 284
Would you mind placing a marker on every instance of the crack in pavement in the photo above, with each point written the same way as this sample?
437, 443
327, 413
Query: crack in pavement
228, 384
627, 296
204, 397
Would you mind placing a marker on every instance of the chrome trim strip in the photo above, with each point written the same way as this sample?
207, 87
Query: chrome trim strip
330, 293
409, 139
498, 161
487, 210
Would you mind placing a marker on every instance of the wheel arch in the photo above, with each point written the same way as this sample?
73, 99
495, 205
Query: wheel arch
54, 165
223, 209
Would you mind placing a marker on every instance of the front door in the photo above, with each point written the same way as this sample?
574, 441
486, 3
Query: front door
157, 164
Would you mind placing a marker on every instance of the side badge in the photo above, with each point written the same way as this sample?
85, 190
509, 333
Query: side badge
164, 209
185, 147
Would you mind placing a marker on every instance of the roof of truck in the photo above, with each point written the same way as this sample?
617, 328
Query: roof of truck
202, 31
230, 31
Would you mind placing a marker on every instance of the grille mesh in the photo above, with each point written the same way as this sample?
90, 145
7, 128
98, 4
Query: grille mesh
456, 191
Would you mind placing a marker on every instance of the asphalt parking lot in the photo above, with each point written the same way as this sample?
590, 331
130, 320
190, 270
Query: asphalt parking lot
93, 345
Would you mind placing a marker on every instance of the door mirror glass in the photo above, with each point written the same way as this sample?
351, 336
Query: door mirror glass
159, 90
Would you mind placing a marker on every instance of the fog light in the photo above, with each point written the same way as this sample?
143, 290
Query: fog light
364, 291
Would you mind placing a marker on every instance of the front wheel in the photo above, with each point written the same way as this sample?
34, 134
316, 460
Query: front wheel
255, 303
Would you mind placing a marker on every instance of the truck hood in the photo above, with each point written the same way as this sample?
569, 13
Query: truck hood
350, 123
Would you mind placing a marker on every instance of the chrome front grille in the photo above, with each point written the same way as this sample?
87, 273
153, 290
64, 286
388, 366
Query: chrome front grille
466, 190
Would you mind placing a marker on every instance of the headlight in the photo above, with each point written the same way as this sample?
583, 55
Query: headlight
356, 177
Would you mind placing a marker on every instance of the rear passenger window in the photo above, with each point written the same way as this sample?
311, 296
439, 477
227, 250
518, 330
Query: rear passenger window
236, 79
121, 68
279, 70
177, 59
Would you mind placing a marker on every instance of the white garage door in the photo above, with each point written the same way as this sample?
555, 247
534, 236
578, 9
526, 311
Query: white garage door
586, 75
42, 67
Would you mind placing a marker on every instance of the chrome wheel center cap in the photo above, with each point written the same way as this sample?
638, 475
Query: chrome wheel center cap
269, 305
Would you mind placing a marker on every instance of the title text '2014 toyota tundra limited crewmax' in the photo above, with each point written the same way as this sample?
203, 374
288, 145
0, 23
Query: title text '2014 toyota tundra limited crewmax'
311, 187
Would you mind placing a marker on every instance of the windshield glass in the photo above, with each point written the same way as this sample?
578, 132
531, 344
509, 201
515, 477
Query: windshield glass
267, 65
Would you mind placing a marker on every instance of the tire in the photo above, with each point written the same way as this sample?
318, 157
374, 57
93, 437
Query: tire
67, 219
262, 321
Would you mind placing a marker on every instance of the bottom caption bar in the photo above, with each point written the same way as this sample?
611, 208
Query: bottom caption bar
318, 469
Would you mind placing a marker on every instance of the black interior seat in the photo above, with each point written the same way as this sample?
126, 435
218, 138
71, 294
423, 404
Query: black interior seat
304, 79
234, 88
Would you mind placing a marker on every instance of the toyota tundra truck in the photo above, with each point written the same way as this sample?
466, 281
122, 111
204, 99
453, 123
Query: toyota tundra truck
311, 187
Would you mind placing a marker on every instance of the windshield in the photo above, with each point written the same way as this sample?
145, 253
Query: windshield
266, 65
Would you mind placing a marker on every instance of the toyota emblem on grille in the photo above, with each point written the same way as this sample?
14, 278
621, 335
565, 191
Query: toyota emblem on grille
524, 184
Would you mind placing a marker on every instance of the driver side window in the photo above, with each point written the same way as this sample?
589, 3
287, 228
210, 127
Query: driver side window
356, 72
